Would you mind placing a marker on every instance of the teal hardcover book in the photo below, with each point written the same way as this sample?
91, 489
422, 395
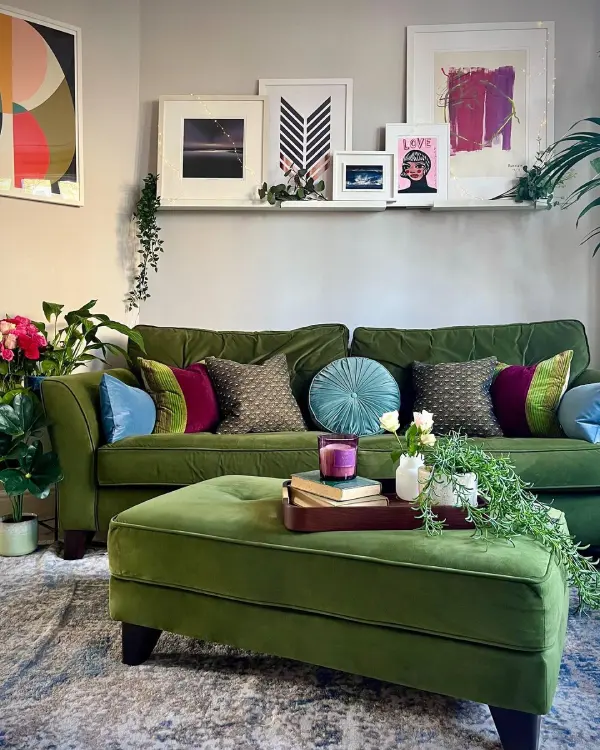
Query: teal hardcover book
347, 489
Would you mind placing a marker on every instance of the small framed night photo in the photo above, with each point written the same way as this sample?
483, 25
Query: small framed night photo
363, 175
213, 149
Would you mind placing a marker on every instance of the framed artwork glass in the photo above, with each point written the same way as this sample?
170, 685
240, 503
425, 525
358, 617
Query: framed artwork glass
309, 119
363, 176
493, 83
421, 156
40, 109
211, 150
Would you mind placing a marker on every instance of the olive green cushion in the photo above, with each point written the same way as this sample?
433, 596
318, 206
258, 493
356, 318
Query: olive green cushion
514, 344
225, 538
176, 460
307, 349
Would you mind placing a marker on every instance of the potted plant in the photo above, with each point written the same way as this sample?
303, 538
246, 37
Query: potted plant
78, 342
24, 467
509, 509
20, 344
418, 437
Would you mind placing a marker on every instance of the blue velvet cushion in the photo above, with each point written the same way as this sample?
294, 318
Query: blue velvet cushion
350, 395
124, 411
579, 413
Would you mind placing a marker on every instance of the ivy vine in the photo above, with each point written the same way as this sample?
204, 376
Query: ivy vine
149, 238
300, 187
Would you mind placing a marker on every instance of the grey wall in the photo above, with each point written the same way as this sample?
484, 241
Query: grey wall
400, 268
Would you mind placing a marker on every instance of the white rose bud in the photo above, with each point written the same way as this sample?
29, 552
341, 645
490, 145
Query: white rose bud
423, 420
390, 421
428, 440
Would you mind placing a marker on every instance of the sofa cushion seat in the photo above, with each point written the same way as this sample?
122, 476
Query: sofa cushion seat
545, 463
187, 458
225, 538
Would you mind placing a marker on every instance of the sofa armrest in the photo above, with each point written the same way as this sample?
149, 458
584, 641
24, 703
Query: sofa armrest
72, 404
587, 376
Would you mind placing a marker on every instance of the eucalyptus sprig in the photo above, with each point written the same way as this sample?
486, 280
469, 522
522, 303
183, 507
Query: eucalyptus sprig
300, 187
511, 509
149, 238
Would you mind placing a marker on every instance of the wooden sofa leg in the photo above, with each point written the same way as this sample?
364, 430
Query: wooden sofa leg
517, 730
75, 542
137, 643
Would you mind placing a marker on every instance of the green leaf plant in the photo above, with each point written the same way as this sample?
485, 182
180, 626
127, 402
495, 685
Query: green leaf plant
148, 234
24, 467
510, 510
300, 186
78, 342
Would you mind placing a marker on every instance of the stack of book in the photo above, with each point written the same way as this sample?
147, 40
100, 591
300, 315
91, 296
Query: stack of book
308, 490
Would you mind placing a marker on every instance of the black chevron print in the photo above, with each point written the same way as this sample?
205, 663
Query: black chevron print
305, 142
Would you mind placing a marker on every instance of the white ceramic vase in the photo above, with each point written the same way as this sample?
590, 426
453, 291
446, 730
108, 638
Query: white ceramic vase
20, 538
442, 493
407, 477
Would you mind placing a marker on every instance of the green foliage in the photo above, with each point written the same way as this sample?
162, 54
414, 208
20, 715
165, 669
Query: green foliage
533, 185
300, 187
24, 467
510, 510
150, 243
78, 342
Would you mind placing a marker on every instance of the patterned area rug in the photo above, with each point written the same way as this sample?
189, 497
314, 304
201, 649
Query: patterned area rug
62, 686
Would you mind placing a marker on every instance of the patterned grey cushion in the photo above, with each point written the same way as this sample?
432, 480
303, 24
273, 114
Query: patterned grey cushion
458, 396
255, 398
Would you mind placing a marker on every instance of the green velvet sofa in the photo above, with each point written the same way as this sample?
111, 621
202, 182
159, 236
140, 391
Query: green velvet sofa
102, 480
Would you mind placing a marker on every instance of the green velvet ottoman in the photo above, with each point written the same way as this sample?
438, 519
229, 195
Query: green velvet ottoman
449, 614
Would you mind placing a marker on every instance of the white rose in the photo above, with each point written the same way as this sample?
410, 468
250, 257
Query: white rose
423, 420
390, 421
427, 440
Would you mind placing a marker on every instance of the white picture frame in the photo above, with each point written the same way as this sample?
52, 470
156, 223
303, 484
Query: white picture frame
363, 176
212, 150
426, 148
310, 119
62, 182
505, 71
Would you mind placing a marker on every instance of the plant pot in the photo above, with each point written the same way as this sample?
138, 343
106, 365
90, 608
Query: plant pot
407, 477
35, 383
442, 493
19, 538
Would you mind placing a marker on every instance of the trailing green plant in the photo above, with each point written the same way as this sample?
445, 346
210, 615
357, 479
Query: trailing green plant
24, 467
510, 509
78, 342
299, 187
148, 234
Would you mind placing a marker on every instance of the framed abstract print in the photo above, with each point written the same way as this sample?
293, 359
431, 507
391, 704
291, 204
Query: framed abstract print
40, 109
493, 84
309, 120
363, 176
211, 150
421, 155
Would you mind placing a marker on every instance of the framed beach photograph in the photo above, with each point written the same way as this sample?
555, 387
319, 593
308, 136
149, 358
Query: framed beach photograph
421, 162
493, 84
363, 176
212, 150
41, 156
310, 118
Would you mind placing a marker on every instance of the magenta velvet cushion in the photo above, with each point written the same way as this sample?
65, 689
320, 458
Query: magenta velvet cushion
200, 397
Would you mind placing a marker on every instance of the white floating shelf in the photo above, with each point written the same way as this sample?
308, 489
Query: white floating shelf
324, 206
505, 204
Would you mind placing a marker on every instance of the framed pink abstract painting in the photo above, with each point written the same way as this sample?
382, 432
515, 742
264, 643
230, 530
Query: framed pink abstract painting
40, 109
493, 84
421, 152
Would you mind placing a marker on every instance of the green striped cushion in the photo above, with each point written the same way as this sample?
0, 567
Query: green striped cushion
162, 385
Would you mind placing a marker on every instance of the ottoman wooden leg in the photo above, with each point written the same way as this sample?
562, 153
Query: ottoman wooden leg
137, 643
517, 729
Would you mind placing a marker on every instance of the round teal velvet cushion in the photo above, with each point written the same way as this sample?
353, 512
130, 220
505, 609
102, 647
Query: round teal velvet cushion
349, 395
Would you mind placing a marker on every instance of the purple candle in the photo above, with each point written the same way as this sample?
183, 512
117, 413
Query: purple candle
337, 456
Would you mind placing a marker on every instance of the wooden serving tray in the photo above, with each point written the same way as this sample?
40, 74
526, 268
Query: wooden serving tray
398, 515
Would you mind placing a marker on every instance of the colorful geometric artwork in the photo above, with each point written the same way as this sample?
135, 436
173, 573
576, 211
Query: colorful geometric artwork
481, 107
39, 123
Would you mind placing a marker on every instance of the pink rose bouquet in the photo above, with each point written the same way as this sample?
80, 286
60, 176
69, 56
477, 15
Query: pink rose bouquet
20, 344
